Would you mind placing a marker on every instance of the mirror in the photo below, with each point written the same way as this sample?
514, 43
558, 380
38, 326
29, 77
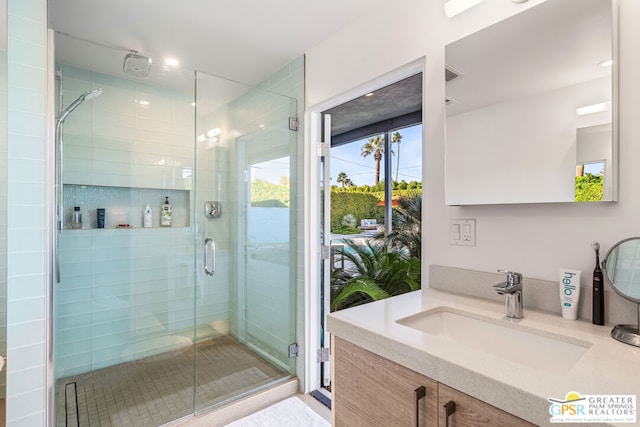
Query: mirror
530, 111
621, 266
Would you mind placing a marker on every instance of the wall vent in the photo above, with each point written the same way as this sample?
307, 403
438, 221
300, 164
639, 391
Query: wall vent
451, 73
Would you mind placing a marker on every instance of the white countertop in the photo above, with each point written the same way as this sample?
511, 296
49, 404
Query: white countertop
608, 367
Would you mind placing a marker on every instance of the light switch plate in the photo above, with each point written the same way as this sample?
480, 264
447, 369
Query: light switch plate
467, 232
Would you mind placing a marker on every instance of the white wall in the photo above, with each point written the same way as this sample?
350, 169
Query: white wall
532, 239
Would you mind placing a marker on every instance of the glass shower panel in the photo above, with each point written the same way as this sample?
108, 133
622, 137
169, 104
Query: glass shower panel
123, 309
245, 310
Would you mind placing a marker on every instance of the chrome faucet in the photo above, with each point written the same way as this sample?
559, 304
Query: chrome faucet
512, 290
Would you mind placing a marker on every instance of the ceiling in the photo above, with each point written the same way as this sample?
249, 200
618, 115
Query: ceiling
391, 101
242, 40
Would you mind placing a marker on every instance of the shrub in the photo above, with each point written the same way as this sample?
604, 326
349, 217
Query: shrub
358, 205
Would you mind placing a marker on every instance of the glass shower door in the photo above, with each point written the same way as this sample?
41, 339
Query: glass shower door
245, 239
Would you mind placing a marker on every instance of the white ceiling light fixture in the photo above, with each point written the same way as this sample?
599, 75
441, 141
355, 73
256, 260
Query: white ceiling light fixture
595, 108
519, 1
606, 63
370, 94
455, 7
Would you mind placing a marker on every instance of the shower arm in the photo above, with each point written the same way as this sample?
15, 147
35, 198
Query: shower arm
60, 162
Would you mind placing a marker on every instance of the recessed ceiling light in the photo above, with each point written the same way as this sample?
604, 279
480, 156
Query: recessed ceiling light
144, 103
454, 7
172, 62
595, 108
606, 63
370, 94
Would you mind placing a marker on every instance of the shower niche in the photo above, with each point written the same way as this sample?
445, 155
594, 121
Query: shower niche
124, 206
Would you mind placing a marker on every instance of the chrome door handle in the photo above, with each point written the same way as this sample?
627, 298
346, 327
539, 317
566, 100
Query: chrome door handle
209, 256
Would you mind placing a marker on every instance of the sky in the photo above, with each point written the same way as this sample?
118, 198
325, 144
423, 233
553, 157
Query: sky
362, 170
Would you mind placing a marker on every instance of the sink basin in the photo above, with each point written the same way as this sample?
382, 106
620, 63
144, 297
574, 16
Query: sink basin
501, 338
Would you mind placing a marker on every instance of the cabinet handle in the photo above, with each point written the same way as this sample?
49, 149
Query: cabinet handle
449, 409
419, 394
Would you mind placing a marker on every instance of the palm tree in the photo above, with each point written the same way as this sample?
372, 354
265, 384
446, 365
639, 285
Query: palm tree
397, 138
374, 272
406, 227
374, 146
342, 179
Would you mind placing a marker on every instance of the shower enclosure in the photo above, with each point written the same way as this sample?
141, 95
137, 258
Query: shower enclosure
153, 324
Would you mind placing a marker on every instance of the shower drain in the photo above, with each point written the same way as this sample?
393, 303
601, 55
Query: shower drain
72, 414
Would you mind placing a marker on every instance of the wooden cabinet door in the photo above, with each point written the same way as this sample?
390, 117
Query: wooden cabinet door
472, 412
369, 390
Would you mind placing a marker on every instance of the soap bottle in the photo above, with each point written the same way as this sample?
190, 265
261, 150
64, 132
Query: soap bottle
148, 219
165, 219
76, 218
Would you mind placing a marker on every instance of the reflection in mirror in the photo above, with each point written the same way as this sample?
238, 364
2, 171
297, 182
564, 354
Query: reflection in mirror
622, 269
593, 163
527, 108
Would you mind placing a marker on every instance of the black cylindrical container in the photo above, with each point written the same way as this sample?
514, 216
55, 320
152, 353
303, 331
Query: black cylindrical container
598, 292
101, 215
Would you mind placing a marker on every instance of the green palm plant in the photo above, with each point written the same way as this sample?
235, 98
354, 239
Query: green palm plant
342, 179
375, 146
373, 272
406, 222
397, 138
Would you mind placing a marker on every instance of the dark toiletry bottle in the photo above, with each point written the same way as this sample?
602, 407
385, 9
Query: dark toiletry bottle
598, 291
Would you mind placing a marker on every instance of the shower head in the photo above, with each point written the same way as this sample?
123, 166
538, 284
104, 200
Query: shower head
136, 65
79, 100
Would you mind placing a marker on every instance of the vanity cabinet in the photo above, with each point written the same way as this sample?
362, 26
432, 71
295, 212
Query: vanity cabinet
470, 411
369, 390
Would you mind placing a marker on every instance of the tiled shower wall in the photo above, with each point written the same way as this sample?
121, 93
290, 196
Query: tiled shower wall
3, 216
27, 213
124, 293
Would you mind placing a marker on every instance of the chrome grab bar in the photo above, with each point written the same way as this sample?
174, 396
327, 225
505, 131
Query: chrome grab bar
209, 256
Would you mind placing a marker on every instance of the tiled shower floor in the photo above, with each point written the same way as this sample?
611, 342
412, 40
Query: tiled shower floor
158, 389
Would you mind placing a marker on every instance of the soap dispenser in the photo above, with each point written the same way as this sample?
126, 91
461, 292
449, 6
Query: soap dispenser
165, 219
148, 219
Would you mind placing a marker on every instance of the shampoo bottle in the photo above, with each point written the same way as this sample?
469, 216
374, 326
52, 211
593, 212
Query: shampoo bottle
165, 219
598, 290
76, 218
569, 292
148, 219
